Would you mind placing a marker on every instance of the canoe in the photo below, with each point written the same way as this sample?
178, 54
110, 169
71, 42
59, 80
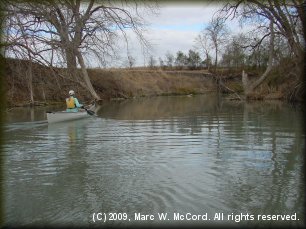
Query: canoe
62, 116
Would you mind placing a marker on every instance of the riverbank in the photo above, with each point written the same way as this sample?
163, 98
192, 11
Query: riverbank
51, 85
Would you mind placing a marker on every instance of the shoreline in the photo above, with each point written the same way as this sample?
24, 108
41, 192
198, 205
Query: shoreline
51, 86
226, 96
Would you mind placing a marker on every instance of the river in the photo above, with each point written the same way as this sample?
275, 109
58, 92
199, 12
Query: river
198, 160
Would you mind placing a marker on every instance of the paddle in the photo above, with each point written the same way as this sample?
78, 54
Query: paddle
89, 111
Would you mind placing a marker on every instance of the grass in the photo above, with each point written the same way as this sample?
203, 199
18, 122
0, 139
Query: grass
147, 83
115, 83
52, 86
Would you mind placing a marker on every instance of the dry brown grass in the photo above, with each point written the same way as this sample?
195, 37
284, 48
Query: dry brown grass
50, 86
127, 83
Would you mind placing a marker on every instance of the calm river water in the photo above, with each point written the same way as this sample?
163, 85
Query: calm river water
184, 156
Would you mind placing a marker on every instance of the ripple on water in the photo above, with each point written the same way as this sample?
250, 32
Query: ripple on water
224, 162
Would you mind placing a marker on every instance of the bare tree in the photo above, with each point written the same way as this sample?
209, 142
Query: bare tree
217, 32
74, 28
259, 55
152, 62
161, 62
131, 61
234, 54
194, 59
202, 41
169, 59
181, 60
20, 47
288, 19
249, 87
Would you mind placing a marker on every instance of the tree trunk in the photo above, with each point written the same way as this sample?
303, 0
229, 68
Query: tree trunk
216, 60
30, 82
86, 77
71, 62
29, 72
70, 58
250, 87
207, 56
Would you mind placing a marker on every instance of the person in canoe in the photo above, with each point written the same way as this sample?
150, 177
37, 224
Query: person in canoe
72, 103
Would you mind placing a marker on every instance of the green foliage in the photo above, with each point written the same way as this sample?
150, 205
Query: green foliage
208, 61
181, 60
194, 59
169, 59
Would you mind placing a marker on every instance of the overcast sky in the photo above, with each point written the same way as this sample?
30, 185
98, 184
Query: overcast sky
174, 29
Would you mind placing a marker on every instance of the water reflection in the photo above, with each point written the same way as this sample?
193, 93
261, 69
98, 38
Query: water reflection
171, 154
73, 132
158, 107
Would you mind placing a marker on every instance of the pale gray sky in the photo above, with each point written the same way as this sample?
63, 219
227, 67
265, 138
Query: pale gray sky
174, 29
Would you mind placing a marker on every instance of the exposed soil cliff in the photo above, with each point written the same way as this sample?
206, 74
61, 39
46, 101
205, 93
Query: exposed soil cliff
52, 85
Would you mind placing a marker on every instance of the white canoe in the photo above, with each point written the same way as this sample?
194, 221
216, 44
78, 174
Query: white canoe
61, 116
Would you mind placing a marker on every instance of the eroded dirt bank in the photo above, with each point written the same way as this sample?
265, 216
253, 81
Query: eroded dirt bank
52, 85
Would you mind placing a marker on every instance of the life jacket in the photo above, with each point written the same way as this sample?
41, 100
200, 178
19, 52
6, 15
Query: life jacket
70, 103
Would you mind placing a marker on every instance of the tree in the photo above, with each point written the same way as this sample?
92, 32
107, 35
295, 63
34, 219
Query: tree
181, 60
75, 28
249, 87
259, 55
234, 55
203, 41
288, 21
169, 59
194, 59
27, 55
152, 62
131, 61
207, 62
161, 63
217, 32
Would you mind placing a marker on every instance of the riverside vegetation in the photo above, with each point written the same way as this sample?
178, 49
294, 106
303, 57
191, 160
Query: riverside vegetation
50, 85
265, 62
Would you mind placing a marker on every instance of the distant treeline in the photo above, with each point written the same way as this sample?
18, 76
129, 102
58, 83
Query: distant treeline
63, 33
